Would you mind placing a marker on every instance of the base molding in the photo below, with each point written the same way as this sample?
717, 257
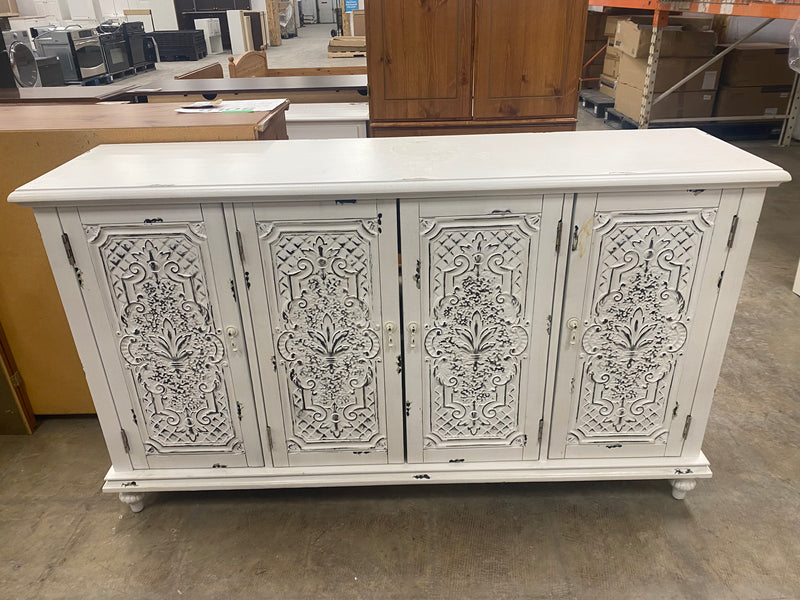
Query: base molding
156, 480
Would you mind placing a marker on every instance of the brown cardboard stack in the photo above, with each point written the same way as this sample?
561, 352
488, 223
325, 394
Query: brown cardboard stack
756, 80
687, 42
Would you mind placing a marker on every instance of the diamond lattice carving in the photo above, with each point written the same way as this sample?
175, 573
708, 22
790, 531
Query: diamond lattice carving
168, 339
478, 333
637, 327
327, 345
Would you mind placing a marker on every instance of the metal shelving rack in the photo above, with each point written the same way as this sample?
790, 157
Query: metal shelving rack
789, 9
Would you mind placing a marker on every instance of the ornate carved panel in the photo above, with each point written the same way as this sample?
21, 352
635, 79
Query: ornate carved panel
477, 331
637, 324
168, 340
327, 338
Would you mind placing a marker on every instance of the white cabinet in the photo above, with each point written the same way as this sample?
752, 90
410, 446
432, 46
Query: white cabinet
424, 310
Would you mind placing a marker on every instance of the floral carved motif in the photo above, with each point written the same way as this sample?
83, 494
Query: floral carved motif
168, 339
478, 333
326, 342
637, 328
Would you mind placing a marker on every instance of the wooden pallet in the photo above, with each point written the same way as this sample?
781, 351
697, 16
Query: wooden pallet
347, 54
617, 120
596, 103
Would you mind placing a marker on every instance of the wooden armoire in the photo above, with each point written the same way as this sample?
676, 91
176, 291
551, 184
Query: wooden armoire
473, 66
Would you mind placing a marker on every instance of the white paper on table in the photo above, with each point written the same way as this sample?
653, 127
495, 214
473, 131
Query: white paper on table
237, 106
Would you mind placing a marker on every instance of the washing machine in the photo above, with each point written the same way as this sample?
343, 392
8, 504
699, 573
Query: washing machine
22, 58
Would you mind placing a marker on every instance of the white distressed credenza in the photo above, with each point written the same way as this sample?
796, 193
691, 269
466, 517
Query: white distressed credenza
562, 312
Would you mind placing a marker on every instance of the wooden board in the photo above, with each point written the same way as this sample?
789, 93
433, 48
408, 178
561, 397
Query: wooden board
274, 23
42, 138
360, 53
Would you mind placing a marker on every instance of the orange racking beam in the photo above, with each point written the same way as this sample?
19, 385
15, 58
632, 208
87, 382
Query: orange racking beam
740, 8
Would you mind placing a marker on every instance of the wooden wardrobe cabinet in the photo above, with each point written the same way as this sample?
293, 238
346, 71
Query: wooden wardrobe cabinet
473, 66
560, 314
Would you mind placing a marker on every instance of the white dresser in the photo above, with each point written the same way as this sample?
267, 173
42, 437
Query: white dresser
564, 305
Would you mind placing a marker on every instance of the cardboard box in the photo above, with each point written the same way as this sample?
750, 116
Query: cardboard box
611, 66
634, 40
752, 101
359, 24
695, 23
670, 71
757, 65
628, 101
608, 85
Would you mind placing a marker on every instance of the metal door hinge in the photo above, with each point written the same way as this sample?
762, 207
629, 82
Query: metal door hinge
125, 444
15, 379
417, 275
274, 364
541, 430
68, 249
719, 281
575, 239
686, 426
269, 436
549, 323
240, 244
732, 233
559, 229
399, 363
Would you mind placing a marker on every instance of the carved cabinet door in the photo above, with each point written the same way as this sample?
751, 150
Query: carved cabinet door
156, 283
323, 297
478, 282
640, 296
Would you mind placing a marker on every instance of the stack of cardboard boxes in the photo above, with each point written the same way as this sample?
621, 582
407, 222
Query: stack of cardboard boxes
756, 80
687, 43
608, 78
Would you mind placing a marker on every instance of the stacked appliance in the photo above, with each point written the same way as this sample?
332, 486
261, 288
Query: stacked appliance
115, 48
21, 58
141, 50
78, 50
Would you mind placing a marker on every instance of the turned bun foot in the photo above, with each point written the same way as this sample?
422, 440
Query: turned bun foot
681, 486
135, 501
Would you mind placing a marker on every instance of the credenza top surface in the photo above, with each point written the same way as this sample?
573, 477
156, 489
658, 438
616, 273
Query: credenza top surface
434, 166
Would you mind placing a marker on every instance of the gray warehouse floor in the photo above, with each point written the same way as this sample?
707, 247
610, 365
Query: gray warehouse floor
736, 536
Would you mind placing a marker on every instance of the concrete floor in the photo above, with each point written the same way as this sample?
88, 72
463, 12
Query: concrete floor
308, 49
736, 537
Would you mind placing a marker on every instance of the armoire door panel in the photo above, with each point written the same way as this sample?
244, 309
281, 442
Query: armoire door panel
319, 307
166, 333
635, 321
527, 58
480, 297
420, 59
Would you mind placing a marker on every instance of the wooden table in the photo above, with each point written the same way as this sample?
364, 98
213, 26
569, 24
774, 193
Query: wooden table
323, 88
38, 139
79, 94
